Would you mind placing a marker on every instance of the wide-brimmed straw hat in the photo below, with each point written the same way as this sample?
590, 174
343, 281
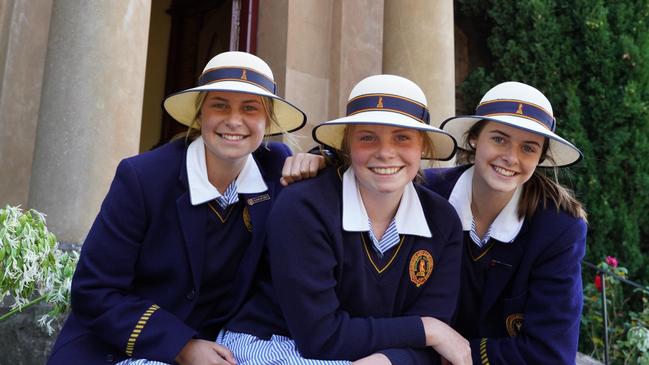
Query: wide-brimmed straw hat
521, 106
236, 72
387, 100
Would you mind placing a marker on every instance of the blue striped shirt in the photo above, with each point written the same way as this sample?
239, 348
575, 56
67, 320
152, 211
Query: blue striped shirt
389, 239
230, 196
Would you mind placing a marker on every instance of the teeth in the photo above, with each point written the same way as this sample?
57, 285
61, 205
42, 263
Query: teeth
385, 170
505, 172
232, 137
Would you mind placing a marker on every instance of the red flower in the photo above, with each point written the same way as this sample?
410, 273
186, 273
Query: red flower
598, 282
611, 261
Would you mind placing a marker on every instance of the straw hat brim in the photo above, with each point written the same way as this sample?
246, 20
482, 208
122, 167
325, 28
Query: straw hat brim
562, 152
331, 133
182, 105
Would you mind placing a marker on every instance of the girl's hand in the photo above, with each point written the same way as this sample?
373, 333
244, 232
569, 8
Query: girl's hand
201, 352
448, 343
301, 166
374, 359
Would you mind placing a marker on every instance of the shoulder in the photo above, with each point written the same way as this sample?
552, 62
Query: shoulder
163, 157
318, 191
440, 214
547, 217
270, 158
442, 180
551, 230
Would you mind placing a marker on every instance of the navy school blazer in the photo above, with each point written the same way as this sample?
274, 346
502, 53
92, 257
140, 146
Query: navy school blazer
532, 301
140, 269
329, 295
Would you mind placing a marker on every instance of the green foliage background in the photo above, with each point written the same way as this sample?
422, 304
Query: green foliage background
591, 59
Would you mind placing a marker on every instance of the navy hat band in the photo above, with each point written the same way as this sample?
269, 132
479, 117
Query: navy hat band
388, 103
237, 74
518, 109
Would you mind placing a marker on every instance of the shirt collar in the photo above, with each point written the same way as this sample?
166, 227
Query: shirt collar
201, 190
410, 217
507, 224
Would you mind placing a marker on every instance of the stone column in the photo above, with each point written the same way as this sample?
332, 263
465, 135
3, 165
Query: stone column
24, 27
356, 49
91, 107
418, 44
318, 50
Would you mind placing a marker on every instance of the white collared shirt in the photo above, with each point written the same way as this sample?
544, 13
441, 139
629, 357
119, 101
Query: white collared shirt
507, 224
409, 218
201, 190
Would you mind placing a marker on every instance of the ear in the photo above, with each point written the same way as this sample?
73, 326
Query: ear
472, 142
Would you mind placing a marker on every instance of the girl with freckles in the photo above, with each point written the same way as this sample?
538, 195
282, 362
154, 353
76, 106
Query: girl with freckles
363, 263
172, 254
524, 234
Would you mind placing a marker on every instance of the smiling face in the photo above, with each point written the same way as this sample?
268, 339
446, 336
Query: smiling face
505, 158
232, 126
384, 158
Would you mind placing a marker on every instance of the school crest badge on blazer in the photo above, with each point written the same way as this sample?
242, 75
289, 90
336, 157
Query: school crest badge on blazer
514, 324
246, 219
420, 268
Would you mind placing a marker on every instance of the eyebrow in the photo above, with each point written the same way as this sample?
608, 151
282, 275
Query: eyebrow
508, 136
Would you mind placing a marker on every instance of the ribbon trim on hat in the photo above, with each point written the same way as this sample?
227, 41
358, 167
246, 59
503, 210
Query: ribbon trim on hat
517, 108
240, 74
388, 103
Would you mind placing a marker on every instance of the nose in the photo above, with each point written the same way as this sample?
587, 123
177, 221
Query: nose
510, 155
234, 119
385, 150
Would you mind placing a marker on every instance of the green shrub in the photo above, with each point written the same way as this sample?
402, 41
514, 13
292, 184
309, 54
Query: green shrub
34, 269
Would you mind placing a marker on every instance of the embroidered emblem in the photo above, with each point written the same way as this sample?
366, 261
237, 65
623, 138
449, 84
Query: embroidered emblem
420, 268
514, 324
520, 109
258, 199
243, 75
246, 219
380, 103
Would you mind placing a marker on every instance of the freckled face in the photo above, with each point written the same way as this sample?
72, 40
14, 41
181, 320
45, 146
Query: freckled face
232, 125
505, 157
384, 158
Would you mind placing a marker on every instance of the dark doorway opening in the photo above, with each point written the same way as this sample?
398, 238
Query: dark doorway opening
200, 29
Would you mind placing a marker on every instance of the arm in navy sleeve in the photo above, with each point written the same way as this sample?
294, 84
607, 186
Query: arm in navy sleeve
303, 265
552, 311
102, 287
441, 291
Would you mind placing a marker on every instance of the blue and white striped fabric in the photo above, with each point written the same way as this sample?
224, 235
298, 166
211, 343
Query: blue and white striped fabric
474, 236
389, 239
140, 362
229, 197
279, 350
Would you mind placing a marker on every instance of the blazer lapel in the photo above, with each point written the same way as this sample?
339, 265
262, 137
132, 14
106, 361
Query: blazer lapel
192, 223
505, 259
258, 206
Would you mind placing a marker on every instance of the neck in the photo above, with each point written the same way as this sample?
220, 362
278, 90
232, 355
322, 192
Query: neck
486, 204
221, 173
381, 208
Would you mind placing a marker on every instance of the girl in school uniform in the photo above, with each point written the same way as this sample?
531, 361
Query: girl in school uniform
363, 264
172, 253
524, 234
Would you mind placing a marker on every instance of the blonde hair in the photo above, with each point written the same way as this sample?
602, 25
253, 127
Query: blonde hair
539, 188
